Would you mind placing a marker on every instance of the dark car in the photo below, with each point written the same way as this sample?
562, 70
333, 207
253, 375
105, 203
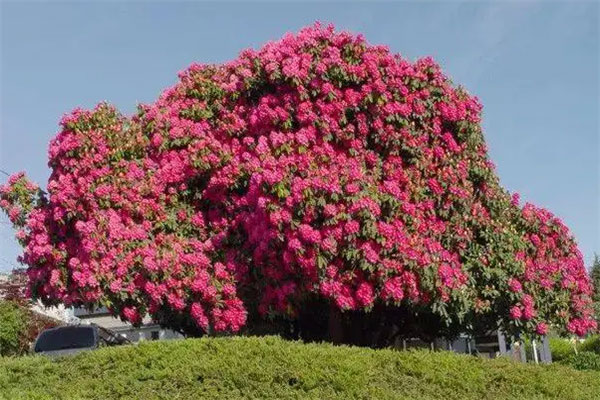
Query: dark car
73, 339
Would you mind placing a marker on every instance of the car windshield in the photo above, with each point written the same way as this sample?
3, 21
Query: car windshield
68, 337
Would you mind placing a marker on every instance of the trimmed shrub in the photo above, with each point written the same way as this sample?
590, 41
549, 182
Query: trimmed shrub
270, 368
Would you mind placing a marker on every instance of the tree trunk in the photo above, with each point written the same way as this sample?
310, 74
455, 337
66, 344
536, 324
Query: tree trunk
334, 327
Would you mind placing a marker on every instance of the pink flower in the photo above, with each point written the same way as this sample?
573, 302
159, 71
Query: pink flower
115, 286
309, 235
197, 313
541, 328
515, 312
392, 290
132, 315
364, 294
528, 313
351, 227
435, 186
514, 285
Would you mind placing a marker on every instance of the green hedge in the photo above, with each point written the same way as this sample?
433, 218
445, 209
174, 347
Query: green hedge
271, 368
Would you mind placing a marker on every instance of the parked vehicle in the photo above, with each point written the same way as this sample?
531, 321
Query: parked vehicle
73, 339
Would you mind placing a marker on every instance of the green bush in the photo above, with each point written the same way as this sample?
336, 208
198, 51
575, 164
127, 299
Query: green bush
271, 368
13, 326
19, 327
583, 360
591, 344
561, 348
587, 356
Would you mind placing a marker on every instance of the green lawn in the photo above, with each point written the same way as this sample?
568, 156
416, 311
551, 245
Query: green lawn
271, 368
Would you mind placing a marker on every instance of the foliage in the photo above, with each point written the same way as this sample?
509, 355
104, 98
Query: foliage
316, 167
12, 328
562, 348
592, 344
583, 360
270, 368
595, 277
19, 327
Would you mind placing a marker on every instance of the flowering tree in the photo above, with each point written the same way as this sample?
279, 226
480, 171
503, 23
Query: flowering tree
317, 167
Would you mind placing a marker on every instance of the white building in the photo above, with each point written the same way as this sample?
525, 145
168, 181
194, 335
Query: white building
59, 313
147, 331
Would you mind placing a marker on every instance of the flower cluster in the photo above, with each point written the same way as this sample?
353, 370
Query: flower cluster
318, 165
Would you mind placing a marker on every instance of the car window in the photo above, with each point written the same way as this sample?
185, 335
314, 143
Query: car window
70, 337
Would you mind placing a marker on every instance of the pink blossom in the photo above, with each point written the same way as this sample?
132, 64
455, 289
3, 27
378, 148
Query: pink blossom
515, 312
541, 328
515, 285
364, 294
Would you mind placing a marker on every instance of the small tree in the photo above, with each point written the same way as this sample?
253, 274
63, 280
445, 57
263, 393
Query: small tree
13, 327
19, 325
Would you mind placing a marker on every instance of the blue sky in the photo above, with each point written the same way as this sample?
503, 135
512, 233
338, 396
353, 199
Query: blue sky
533, 65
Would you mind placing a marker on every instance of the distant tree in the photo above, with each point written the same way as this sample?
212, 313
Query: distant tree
14, 288
595, 276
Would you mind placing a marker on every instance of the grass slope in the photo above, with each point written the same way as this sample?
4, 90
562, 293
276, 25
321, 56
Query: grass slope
271, 368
